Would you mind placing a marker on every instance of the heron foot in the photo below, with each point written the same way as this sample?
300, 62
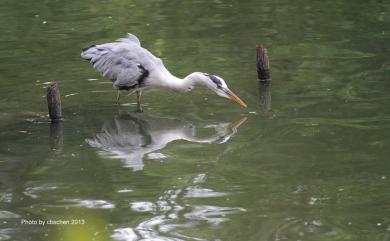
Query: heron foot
139, 109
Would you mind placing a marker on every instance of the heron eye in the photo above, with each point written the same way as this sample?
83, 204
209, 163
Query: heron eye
219, 86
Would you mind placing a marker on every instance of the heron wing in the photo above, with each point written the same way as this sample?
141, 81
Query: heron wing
130, 38
118, 62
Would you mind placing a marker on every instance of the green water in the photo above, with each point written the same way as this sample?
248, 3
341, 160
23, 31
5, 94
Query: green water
307, 160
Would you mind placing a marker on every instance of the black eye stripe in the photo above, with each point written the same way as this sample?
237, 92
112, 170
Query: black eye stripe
215, 80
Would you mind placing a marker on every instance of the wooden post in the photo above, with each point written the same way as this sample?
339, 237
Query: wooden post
263, 72
54, 102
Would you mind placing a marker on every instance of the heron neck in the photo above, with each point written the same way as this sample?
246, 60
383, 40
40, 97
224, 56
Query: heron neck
178, 84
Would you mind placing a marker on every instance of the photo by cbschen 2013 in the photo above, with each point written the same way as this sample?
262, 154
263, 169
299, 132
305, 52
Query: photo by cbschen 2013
201, 120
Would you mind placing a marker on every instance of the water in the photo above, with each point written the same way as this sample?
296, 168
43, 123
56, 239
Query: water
307, 160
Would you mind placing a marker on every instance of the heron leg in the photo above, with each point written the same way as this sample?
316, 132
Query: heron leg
139, 108
118, 96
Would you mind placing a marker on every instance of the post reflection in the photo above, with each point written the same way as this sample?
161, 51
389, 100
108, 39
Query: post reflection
131, 136
265, 97
56, 135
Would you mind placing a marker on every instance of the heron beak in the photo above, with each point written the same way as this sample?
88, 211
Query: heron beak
234, 98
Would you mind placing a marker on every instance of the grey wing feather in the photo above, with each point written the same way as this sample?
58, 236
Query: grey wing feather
116, 62
130, 38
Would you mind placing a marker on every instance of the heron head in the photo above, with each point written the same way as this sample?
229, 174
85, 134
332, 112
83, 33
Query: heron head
219, 86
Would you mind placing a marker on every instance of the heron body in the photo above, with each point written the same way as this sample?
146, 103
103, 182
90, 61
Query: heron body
132, 67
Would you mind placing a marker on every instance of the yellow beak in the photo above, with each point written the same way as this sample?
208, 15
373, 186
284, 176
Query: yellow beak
235, 98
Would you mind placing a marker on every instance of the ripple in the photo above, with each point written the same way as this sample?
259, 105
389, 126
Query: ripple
200, 178
203, 193
212, 214
315, 200
6, 197
7, 214
71, 94
170, 218
294, 229
162, 227
101, 204
160, 205
5, 233
34, 191
170, 227
156, 156
148, 229
124, 234
124, 190
143, 206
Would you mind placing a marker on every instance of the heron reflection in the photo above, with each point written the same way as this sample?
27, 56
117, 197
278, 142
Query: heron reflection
131, 136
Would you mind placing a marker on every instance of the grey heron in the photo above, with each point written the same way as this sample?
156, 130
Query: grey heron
132, 67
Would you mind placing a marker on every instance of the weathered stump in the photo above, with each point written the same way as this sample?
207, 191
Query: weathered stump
262, 62
54, 102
